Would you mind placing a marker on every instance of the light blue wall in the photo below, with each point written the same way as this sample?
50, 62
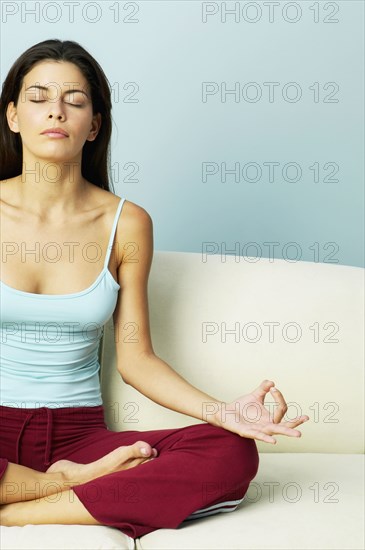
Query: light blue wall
168, 131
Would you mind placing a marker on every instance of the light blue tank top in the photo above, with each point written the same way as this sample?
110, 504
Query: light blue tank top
50, 342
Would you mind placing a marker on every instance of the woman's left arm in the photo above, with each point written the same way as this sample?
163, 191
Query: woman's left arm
246, 415
141, 368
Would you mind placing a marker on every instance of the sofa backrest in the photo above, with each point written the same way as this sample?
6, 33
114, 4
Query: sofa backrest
226, 324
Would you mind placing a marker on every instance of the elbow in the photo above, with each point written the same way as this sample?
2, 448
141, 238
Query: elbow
131, 367
124, 371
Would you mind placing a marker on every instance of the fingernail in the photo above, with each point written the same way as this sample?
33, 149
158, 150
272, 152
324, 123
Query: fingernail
144, 451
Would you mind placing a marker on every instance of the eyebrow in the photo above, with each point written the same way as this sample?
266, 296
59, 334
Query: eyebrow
45, 88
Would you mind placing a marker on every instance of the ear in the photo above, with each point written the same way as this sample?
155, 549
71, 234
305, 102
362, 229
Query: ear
12, 117
95, 127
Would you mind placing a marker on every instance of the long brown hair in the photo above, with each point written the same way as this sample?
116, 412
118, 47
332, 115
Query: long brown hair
95, 166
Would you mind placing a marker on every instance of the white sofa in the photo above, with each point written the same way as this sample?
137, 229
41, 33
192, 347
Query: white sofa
308, 492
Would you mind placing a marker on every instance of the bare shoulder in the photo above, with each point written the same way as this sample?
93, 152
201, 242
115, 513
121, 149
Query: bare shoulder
136, 216
132, 213
134, 232
134, 223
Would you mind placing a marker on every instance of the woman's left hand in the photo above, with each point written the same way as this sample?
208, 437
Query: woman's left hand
248, 417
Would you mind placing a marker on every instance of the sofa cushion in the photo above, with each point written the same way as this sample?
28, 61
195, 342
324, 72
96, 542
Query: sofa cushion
64, 537
296, 501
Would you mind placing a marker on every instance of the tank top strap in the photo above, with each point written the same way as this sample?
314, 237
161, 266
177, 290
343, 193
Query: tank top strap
112, 234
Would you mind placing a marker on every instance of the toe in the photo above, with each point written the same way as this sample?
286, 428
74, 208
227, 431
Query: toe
142, 448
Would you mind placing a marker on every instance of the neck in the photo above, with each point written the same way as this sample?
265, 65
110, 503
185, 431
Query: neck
46, 186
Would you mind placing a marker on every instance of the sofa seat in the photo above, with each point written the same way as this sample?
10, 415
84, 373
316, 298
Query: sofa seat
296, 501
64, 537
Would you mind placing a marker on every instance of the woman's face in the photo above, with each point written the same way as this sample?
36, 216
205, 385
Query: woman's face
57, 105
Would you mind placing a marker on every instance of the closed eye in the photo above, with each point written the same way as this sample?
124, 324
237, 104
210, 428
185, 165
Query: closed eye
43, 100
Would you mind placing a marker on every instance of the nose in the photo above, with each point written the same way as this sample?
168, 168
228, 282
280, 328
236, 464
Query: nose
59, 116
56, 110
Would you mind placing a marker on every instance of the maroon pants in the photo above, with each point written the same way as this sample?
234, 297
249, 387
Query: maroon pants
200, 469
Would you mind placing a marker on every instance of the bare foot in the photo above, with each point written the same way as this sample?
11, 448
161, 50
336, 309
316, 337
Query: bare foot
121, 458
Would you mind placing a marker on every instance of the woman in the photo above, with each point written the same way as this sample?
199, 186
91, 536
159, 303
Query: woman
55, 205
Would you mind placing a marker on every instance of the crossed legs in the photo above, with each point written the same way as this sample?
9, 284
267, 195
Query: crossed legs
197, 466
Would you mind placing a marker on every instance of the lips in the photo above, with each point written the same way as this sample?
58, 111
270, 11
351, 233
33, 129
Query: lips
55, 131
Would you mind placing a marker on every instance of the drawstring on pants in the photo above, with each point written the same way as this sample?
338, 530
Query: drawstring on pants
48, 450
27, 418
